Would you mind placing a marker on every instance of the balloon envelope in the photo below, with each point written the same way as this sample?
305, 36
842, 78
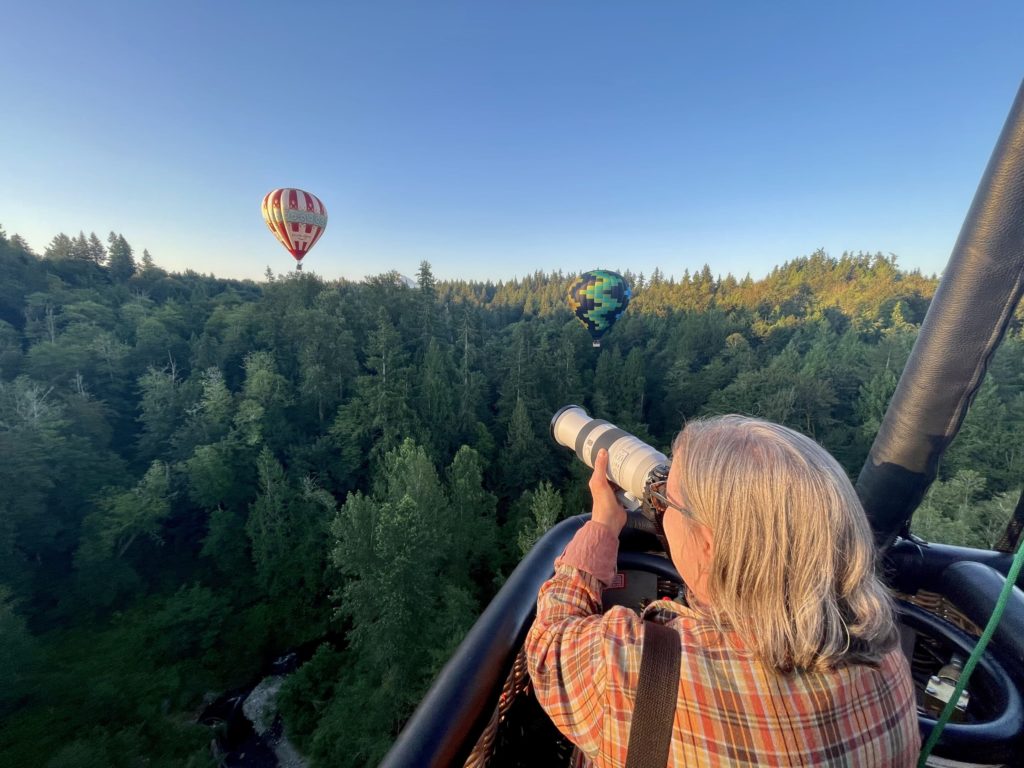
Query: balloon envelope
296, 218
598, 298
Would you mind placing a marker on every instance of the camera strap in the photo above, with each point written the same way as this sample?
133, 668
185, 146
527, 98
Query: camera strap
650, 732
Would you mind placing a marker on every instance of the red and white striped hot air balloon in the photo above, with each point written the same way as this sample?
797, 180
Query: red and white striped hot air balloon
296, 218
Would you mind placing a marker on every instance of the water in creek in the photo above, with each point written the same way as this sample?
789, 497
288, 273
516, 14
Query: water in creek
249, 730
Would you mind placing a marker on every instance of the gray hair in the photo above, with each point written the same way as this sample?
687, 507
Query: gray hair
793, 568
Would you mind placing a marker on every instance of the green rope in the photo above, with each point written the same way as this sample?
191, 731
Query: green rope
979, 649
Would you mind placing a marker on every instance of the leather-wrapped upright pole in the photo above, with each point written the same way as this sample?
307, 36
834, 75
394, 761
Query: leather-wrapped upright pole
966, 321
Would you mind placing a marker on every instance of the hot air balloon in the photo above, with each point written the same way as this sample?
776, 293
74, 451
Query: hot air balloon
598, 298
296, 218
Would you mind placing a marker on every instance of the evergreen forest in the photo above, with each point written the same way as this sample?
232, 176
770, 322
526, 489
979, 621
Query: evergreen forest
198, 475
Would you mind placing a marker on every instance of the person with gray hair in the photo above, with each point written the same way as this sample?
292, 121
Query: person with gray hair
790, 652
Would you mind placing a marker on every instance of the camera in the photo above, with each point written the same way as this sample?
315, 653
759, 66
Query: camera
633, 465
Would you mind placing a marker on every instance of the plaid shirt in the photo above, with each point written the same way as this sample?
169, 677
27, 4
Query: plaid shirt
731, 709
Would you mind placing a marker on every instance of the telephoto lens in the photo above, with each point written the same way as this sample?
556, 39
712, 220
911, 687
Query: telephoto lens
632, 463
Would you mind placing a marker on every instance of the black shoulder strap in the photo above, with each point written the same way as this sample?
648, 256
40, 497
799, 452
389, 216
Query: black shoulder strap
650, 733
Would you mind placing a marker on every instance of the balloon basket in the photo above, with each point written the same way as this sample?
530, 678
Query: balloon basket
298, 267
596, 344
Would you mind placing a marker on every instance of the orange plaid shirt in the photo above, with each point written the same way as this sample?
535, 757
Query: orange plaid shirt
731, 709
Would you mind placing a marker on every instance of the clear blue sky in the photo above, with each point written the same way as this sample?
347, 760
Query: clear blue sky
497, 138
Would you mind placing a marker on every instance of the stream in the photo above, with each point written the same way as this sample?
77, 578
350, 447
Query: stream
249, 732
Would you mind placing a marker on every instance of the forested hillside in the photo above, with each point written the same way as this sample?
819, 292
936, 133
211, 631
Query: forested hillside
198, 474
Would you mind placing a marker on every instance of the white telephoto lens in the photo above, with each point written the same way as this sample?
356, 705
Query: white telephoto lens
630, 460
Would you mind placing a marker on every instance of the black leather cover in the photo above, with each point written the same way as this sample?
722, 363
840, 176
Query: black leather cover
965, 323
911, 566
974, 589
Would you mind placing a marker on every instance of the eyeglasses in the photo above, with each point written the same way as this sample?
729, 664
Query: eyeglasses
657, 498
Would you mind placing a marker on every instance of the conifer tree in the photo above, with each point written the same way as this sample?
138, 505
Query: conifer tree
545, 511
80, 248
436, 400
426, 301
61, 247
470, 518
18, 244
873, 401
161, 407
265, 395
97, 253
471, 385
286, 528
120, 259
326, 359
401, 602
380, 415
523, 459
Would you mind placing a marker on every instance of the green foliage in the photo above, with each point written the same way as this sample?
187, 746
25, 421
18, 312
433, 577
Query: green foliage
226, 544
958, 511
524, 453
545, 505
30, 431
379, 416
265, 396
435, 400
470, 521
307, 694
286, 527
406, 606
16, 649
101, 693
162, 408
120, 258
210, 479
874, 398
989, 438
174, 448
190, 623
123, 516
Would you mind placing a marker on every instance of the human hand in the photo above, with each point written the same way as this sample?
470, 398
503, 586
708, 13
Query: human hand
607, 510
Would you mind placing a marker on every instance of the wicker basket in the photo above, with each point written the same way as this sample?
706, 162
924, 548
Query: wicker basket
939, 606
515, 684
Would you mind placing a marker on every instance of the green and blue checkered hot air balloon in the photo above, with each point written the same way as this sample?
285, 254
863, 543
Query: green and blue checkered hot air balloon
598, 298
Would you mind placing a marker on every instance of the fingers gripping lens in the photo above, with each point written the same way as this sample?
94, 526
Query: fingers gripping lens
632, 464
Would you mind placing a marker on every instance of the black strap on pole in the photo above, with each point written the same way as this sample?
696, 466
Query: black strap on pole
650, 733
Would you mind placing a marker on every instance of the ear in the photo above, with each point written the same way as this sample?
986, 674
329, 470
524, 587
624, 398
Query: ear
705, 541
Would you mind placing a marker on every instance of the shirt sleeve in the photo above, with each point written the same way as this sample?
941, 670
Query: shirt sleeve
570, 644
